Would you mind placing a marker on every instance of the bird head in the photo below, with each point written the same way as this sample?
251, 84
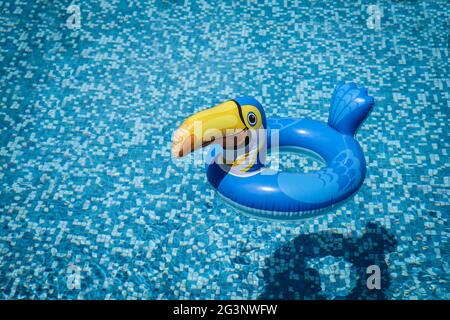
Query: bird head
229, 124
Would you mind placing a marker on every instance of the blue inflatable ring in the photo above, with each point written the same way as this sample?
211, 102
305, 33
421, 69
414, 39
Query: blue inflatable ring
292, 195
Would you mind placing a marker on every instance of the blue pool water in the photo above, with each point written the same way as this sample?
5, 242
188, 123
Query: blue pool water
92, 206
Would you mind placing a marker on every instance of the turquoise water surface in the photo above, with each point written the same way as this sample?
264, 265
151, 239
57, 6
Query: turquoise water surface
92, 206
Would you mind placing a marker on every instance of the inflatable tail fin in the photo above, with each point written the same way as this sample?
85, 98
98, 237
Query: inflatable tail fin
349, 107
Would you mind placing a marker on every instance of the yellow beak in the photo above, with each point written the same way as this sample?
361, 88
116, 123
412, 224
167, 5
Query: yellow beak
221, 124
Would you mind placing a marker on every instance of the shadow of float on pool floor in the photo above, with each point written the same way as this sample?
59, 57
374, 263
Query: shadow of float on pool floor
288, 276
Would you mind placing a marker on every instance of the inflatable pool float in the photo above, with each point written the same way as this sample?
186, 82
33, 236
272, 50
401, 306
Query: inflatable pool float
245, 181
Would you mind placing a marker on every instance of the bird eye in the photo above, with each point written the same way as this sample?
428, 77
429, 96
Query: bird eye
251, 117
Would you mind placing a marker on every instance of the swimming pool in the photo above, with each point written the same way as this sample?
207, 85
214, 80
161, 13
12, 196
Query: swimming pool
92, 205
